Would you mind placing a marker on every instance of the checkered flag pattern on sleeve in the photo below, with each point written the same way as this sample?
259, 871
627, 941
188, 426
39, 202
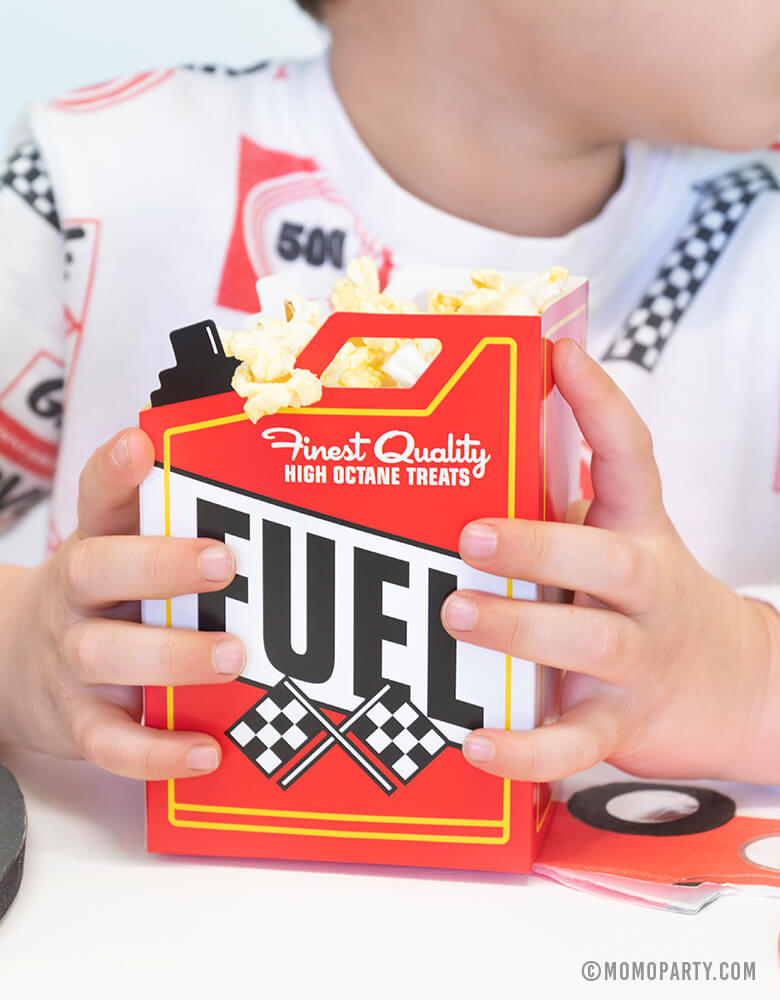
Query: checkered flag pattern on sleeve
24, 172
273, 731
404, 740
723, 203
214, 69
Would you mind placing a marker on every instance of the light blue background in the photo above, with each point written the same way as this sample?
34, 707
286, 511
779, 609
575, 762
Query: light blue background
52, 46
55, 45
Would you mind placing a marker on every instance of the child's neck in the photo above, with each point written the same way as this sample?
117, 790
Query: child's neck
447, 131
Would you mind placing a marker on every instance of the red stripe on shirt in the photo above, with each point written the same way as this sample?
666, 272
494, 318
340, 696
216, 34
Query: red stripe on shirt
25, 449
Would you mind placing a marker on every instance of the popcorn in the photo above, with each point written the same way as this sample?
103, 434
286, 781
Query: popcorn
519, 303
483, 300
441, 302
363, 274
490, 294
357, 365
359, 291
302, 388
268, 379
406, 364
488, 279
428, 347
266, 357
545, 288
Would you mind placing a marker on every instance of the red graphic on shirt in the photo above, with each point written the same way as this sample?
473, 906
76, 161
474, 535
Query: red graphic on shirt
82, 245
30, 410
25, 449
290, 217
111, 92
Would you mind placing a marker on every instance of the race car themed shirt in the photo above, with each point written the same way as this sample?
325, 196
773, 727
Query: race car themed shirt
140, 205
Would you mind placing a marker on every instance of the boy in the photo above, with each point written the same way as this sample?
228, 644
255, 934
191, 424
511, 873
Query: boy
506, 136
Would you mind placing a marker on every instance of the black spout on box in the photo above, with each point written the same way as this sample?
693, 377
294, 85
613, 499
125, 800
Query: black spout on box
202, 368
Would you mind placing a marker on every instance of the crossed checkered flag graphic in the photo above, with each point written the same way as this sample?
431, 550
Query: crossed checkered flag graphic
25, 173
386, 729
723, 204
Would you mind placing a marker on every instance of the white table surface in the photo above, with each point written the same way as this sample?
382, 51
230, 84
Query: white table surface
98, 917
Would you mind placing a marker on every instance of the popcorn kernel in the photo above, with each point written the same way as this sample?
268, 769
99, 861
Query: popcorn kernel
488, 279
441, 302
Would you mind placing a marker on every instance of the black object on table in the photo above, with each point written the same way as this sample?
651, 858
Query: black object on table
13, 833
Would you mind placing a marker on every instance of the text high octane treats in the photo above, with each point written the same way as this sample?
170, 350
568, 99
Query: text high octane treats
269, 380
343, 507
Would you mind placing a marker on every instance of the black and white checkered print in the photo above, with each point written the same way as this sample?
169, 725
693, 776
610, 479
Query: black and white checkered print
723, 204
216, 70
404, 739
273, 731
25, 173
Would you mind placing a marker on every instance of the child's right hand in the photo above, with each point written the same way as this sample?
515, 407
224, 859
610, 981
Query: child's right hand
71, 675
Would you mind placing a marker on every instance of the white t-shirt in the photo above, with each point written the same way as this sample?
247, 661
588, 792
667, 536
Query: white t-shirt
162, 197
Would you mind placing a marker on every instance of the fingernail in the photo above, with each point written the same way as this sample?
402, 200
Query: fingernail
460, 613
216, 563
478, 541
229, 657
574, 356
479, 748
120, 453
202, 759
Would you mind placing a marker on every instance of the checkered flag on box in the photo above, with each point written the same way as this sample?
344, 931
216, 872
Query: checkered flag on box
723, 204
387, 725
404, 740
273, 731
24, 172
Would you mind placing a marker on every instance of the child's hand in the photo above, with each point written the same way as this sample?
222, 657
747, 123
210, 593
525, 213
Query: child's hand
670, 672
78, 655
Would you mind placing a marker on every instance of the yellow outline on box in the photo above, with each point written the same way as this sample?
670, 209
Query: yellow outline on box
504, 822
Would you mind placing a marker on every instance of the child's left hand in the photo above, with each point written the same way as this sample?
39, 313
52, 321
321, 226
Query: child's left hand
670, 672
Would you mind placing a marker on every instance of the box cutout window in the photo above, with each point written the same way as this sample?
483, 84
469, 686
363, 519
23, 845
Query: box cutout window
380, 362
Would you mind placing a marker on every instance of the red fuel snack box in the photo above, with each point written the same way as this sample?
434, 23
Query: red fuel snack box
342, 738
